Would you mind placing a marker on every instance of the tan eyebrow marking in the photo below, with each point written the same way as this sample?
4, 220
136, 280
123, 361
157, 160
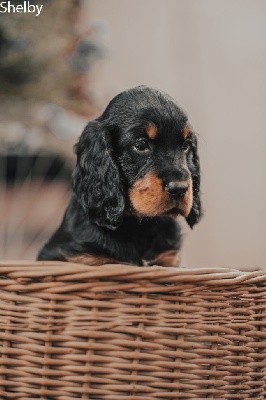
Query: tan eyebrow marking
186, 132
151, 131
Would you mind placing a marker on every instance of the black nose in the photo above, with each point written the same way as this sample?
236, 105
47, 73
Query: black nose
176, 189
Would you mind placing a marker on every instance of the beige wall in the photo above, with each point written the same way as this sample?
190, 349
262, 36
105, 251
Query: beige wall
211, 56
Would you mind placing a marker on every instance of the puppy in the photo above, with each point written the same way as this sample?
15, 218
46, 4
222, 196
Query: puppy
137, 170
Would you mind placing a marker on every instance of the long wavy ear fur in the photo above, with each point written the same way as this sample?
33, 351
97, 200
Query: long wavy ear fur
194, 167
96, 181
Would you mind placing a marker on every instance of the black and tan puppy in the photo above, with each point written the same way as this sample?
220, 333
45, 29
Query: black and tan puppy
137, 169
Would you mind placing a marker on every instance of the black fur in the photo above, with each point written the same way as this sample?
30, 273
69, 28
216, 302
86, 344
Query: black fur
100, 219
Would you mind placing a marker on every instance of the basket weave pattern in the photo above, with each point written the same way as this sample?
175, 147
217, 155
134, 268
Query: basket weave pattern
69, 331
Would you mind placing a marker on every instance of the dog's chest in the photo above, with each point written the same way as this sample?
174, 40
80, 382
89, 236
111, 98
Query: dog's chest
168, 258
154, 243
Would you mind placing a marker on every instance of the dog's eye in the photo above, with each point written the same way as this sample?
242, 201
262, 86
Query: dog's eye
186, 147
142, 145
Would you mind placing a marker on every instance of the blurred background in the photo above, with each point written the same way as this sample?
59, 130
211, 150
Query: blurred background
60, 69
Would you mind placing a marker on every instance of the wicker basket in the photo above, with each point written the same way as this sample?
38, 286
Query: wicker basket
70, 331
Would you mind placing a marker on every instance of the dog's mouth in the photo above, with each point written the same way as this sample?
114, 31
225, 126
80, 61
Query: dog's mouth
177, 209
173, 211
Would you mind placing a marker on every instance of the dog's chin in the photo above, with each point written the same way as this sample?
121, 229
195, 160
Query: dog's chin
173, 212
168, 212
176, 211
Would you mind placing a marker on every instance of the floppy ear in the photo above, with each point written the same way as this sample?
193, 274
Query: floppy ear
194, 167
96, 181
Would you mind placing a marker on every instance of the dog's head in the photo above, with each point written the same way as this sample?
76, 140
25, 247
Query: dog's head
139, 157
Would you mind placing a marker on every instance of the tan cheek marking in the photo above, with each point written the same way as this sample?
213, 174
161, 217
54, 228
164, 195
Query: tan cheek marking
186, 132
186, 204
170, 258
151, 131
148, 196
88, 259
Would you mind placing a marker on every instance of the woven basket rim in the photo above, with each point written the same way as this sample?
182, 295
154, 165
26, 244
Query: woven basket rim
156, 274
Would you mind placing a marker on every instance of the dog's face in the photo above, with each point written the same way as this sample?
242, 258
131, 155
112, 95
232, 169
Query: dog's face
154, 158
140, 158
